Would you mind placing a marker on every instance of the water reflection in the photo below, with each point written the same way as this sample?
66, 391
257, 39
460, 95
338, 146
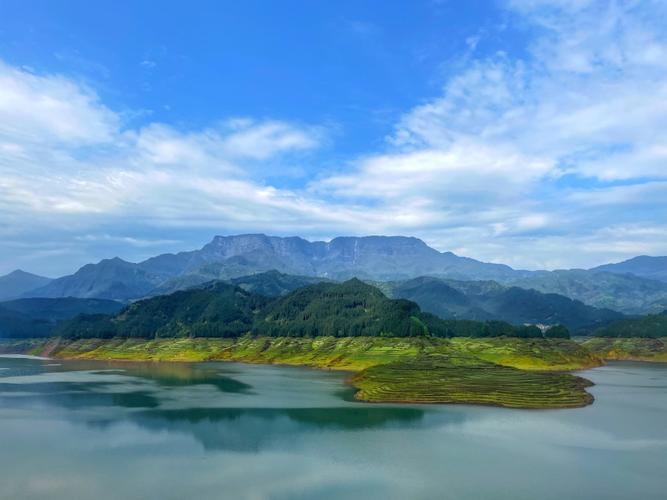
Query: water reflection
252, 429
215, 430
145, 391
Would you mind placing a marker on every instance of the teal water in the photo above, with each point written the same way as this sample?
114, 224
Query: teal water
96, 430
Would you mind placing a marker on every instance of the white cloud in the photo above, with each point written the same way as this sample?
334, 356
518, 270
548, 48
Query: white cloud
162, 146
65, 162
515, 161
593, 98
239, 139
36, 109
466, 170
484, 161
651, 194
126, 240
263, 140
47, 165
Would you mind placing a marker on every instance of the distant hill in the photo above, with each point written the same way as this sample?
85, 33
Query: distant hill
17, 325
437, 296
16, 283
38, 317
274, 283
269, 283
113, 279
61, 308
621, 292
654, 268
649, 326
486, 300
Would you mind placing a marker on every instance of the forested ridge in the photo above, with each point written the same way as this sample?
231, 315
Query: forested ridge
649, 326
347, 309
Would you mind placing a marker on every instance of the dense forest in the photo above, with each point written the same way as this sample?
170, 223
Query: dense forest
38, 317
649, 326
348, 309
215, 310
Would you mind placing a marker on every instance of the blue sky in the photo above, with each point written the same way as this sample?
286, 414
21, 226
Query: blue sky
529, 132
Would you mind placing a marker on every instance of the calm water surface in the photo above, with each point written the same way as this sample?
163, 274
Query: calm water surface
94, 430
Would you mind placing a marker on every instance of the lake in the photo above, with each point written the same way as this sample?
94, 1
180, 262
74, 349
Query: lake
96, 430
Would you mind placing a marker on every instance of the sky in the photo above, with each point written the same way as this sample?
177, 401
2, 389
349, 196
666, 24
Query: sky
526, 132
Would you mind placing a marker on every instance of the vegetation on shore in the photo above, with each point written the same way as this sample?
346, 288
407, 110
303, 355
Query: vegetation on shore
643, 338
628, 348
435, 379
529, 354
388, 369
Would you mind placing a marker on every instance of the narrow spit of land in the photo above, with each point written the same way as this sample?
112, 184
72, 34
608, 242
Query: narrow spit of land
510, 372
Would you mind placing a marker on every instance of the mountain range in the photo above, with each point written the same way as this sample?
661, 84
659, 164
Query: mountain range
635, 286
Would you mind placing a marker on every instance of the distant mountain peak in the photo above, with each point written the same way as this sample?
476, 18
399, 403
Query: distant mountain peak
21, 272
18, 282
644, 266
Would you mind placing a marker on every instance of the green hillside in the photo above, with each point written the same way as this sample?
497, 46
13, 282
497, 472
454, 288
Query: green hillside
217, 310
22, 318
348, 309
649, 326
485, 300
17, 325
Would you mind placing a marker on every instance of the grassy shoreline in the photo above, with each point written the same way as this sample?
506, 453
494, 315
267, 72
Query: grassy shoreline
652, 350
509, 372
